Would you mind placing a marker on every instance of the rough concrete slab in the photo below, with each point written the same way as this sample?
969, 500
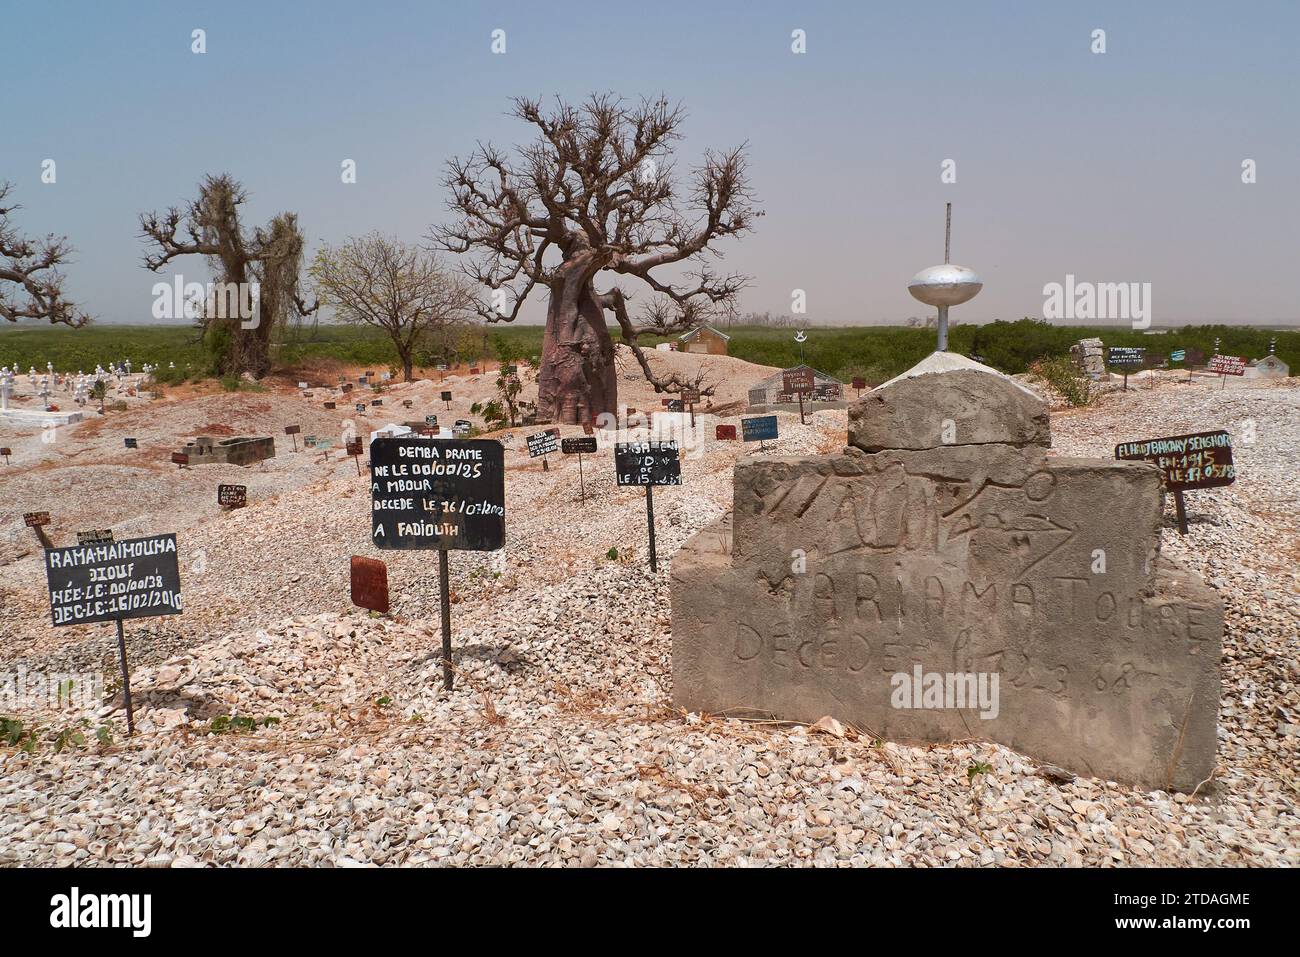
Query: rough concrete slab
836, 574
948, 399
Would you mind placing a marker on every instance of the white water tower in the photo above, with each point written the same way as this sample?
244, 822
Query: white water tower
946, 285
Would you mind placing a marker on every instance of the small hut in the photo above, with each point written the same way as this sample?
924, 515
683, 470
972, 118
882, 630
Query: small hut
704, 339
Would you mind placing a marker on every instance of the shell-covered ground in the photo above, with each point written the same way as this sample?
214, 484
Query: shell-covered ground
559, 744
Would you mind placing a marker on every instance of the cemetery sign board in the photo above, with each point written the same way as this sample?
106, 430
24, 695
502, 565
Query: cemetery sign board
648, 463
443, 495
796, 380
1227, 365
759, 428
1125, 355
134, 578
542, 443
579, 445
232, 496
1198, 460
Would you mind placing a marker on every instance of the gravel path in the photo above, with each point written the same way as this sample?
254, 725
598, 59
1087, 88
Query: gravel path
559, 744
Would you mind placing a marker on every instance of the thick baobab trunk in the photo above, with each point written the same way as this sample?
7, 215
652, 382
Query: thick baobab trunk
577, 379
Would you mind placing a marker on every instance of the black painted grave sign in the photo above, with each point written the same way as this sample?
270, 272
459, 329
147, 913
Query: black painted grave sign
232, 496
112, 581
1186, 462
445, 495
448, 494
648, 464
577, 446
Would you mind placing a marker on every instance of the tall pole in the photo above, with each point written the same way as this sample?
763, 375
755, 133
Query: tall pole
444, 586
650, 520
942, 345
126, 679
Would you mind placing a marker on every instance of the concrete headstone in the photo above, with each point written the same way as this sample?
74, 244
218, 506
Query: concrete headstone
930, 590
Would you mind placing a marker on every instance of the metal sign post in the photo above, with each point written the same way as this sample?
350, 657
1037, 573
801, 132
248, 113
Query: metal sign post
438, 495
36, 522
650, 523
444, 588
146, 582
648, 464
759, 429
126, 679
1197, 460
542, 443
690, 397
577, 446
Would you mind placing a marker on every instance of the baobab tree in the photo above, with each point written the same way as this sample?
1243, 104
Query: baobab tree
594, 199
386, 283
31, 286
269, 259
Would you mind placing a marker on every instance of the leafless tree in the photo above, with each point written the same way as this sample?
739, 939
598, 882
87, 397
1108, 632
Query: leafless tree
270, 256
770, 320
399, 288
32, 266
595, 194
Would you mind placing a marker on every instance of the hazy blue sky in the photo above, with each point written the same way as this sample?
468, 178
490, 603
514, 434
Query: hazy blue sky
1116, 167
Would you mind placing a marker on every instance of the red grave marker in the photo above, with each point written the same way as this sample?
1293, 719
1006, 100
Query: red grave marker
370, 584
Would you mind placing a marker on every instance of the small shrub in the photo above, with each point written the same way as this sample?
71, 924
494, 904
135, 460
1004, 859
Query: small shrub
1066, 378
234, 724
169, 376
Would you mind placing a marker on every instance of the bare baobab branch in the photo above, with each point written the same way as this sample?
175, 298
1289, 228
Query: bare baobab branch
31, 285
